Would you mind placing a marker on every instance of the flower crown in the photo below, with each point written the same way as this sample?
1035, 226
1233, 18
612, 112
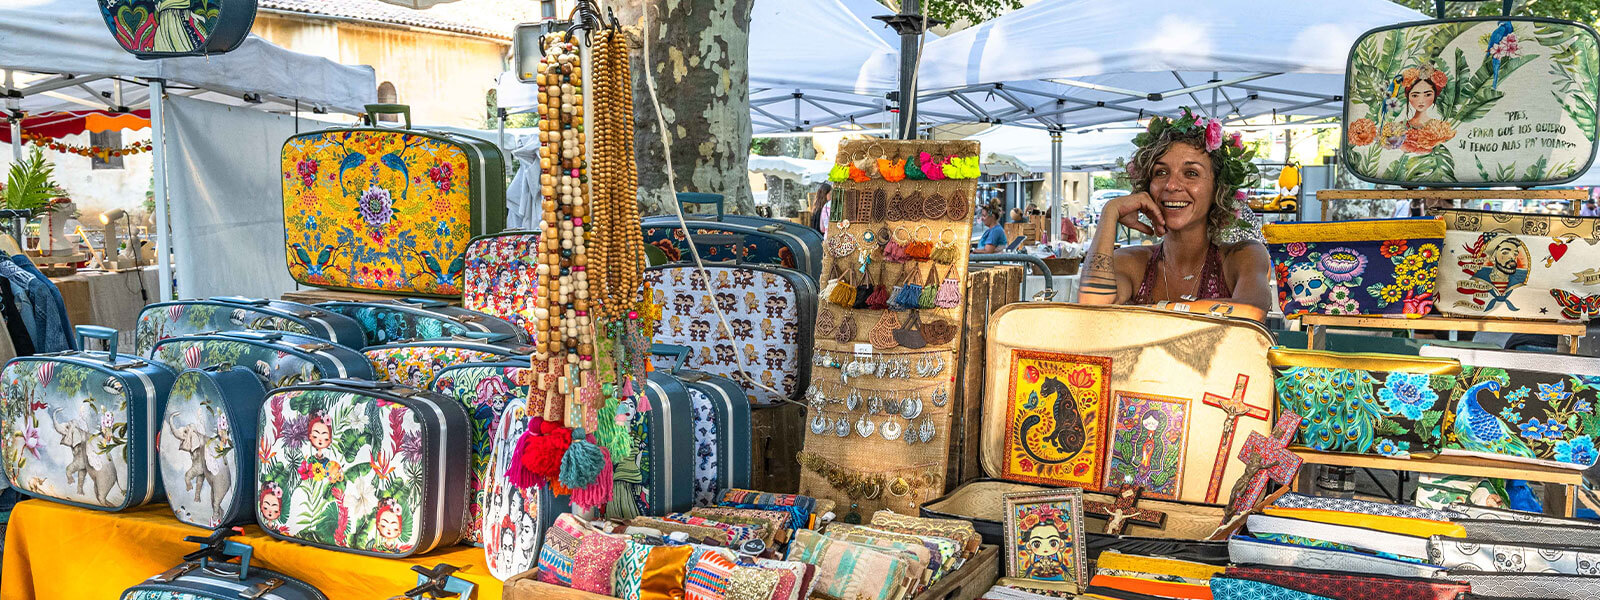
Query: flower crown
1237, 169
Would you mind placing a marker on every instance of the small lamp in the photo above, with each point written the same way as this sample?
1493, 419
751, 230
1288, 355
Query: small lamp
111, 255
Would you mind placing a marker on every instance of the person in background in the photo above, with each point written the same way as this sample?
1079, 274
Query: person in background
1589, 209
1017, 217
820, 207
994, 238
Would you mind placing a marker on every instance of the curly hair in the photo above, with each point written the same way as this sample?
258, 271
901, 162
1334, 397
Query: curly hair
1143, 164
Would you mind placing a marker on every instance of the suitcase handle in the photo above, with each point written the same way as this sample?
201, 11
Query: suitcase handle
217, 546
482, 336
674, 351
251, 334
99, 333
373, 110
241, 300
701, 198
424, 302
439, 582
1438, 6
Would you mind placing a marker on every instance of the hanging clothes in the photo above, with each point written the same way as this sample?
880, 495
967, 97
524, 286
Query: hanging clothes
38, 305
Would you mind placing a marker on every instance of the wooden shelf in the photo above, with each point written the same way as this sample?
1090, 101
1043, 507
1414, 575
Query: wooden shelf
1438, 194
1442, 323
1560, 489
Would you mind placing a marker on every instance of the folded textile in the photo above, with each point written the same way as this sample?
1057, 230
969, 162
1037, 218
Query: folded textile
1251, 551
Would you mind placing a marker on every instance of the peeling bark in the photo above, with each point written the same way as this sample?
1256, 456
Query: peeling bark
700, 51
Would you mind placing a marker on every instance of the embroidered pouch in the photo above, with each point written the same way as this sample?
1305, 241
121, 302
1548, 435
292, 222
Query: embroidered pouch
802, 507
1400, 525
1529, 585
946, 552
1496, 264
753, 583
1370, 540
698, 534
847, 570
1228, 588
1361, 403
1245, 550
560, 545
626, 577
768, 524
1471, 102
1348, 586
1513, 557
593, 563
708, 574
805, 575
788, 517
1525, 406
925, 557
1368, 267
737, 534
663, 573
1298, 500
961, 531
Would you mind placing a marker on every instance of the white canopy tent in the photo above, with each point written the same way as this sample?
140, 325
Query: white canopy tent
1088, 150
59, 55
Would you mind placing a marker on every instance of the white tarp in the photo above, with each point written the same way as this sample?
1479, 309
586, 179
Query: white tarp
1090, 151
806, 171
70, 37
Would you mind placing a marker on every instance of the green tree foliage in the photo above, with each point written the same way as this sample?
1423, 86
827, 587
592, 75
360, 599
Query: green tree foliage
1583, 11
956, 11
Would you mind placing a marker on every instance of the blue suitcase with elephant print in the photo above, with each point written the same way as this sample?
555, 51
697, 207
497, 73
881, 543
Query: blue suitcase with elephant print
207, 445
80, 426
391, 321
280, 358
164, 320
485, 389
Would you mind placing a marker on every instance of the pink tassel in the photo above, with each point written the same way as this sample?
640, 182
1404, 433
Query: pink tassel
643, 404
596, 494
627, 388
519, 476
948, 296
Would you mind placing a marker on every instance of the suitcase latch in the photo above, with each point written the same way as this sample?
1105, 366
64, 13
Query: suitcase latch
175, 572
256, 591
314, 347
466, 318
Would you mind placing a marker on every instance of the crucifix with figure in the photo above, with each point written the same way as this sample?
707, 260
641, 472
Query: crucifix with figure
1266, 459
1122, 511
1233, 407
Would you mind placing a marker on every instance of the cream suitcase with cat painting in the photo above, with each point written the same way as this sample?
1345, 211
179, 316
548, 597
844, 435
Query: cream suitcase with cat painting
1098, 396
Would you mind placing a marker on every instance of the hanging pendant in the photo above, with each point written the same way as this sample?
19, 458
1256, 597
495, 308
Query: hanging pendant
865, 427
891, 430
819, 424
852, 401
913, 409
926, 431
941, 396
911, 434
874, 405
841, 427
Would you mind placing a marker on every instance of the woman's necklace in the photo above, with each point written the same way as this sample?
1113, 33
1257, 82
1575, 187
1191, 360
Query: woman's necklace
1190, 297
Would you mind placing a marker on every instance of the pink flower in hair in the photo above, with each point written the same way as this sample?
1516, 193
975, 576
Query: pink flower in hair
1213, 135
1237, 142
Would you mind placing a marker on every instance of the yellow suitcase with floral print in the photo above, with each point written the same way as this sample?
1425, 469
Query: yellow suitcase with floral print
385, 209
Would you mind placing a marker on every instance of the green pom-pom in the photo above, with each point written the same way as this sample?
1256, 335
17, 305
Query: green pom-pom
913, 171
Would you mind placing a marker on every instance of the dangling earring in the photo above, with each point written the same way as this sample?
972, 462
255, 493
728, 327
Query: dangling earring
949, 290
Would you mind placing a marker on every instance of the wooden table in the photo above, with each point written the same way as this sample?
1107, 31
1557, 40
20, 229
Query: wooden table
1560, 488
1567, 333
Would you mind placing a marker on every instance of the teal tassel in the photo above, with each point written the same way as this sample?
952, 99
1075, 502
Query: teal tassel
582, 463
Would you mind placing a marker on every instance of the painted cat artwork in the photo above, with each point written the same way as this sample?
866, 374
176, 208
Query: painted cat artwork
168, 28
66, 434
1147, 445
1474, 102
1059, 407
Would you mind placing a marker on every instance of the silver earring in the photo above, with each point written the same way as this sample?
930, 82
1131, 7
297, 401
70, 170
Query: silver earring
890, 430
819, 424
841, 427
941, 396
927, 431
865, 426
913, 409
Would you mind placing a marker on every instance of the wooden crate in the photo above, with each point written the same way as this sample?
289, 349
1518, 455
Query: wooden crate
527, 587
314, 295
775, 446
989, 287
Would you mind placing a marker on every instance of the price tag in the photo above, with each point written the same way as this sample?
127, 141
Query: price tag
864, 350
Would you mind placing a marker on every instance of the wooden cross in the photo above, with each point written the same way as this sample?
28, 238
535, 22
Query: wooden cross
1266, 459
1119, 513
1234, 407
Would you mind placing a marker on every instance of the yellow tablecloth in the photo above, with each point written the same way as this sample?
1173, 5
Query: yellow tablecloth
59, 552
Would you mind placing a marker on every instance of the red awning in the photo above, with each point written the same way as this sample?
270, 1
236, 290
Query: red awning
61, 124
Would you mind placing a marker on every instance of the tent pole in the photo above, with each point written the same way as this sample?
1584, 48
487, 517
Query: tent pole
16, 139
908, 70
1055, 185
158, 152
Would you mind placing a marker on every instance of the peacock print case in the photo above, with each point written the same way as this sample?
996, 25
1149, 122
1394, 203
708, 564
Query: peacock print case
1365, 403
1523, 406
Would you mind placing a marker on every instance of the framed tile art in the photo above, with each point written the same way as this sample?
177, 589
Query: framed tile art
1045, 537
1056, 422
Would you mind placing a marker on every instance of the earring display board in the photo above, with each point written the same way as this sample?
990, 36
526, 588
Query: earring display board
879, 410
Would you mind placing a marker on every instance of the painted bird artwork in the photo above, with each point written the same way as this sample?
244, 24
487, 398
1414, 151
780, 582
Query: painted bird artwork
1478, 430
313, 268
430, 262
1495, 38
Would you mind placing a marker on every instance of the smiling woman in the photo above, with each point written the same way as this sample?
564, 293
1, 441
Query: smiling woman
1186, 178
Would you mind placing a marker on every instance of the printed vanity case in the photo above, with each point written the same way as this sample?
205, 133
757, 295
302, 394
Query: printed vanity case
1498, 264
279, 358
1523, 406
502, 278
1365, 403
416, 363
486, 389
152, 29
1476, 102
360, 466
401, 319
86, 422
388, 209
514, 519
1367, 267
721, 237
164, 320
208, 443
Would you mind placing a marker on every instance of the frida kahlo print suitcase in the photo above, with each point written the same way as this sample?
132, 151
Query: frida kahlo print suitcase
1477, 102
661, 469
279, 358
485, 389
207, 445
1365, 403
83, 425
772, 313
1498, 264
747, 240
1366, 267
1523, 406
514, 519
386, 209
366, 467
1098, 396
164, 320
416, 363
210, 576
152, 29
501, 279
402, 319
721, 429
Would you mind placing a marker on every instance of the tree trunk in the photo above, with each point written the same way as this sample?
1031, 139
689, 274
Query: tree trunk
699, 50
